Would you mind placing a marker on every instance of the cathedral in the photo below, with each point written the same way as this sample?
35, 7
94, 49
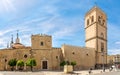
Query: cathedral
93, 55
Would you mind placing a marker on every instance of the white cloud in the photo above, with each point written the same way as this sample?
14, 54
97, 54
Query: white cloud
9, 30
26, 39
118, 42
56, 24
4, 42
6, 6
1, 41
114, 51
66, 31
3, 32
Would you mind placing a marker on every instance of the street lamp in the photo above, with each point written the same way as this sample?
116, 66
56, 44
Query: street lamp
103, 61
102, 53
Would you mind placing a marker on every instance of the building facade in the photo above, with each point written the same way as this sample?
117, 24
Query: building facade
49, 58
114, 61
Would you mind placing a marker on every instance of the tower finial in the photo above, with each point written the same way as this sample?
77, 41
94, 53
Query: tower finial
11, 43
8, 45
12, 38
17, 34
17, 39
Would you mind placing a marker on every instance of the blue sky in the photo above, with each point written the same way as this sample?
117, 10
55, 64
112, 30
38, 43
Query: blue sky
63, 19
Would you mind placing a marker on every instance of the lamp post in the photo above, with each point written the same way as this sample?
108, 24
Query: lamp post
102, 53
103, 61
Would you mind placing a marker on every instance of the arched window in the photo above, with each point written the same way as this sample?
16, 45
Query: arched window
92, 20
102, 35
87, 21
103, 22
99, 19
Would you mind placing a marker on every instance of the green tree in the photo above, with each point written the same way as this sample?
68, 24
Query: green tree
31, 63
12, 63
73, 63
63, 63
21, 64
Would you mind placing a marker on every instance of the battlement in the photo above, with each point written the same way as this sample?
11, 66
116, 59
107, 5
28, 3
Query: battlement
42, 35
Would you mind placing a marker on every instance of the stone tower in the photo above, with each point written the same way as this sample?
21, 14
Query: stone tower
41, 41
96, 34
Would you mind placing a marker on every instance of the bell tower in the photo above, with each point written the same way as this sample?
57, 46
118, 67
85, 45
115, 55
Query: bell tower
96, 34
41, 41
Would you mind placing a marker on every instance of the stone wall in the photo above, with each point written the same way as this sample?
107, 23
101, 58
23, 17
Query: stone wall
84, 57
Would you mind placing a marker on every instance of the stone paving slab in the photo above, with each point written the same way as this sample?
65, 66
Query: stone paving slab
85, 72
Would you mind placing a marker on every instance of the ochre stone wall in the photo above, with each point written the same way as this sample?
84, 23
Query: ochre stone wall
84, 57
52, 56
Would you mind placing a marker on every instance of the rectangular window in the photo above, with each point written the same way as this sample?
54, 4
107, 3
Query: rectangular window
102, 47
87, 21
92, 20
41, 44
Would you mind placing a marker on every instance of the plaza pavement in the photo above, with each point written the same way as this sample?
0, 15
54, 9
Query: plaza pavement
110, 73
85, 72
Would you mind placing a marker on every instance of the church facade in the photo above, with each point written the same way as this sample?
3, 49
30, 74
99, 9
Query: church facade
49, 58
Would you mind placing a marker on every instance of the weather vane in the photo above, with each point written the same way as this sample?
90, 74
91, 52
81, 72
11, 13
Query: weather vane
95, 3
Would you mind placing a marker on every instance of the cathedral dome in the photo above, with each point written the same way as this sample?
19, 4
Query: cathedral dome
18, 45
